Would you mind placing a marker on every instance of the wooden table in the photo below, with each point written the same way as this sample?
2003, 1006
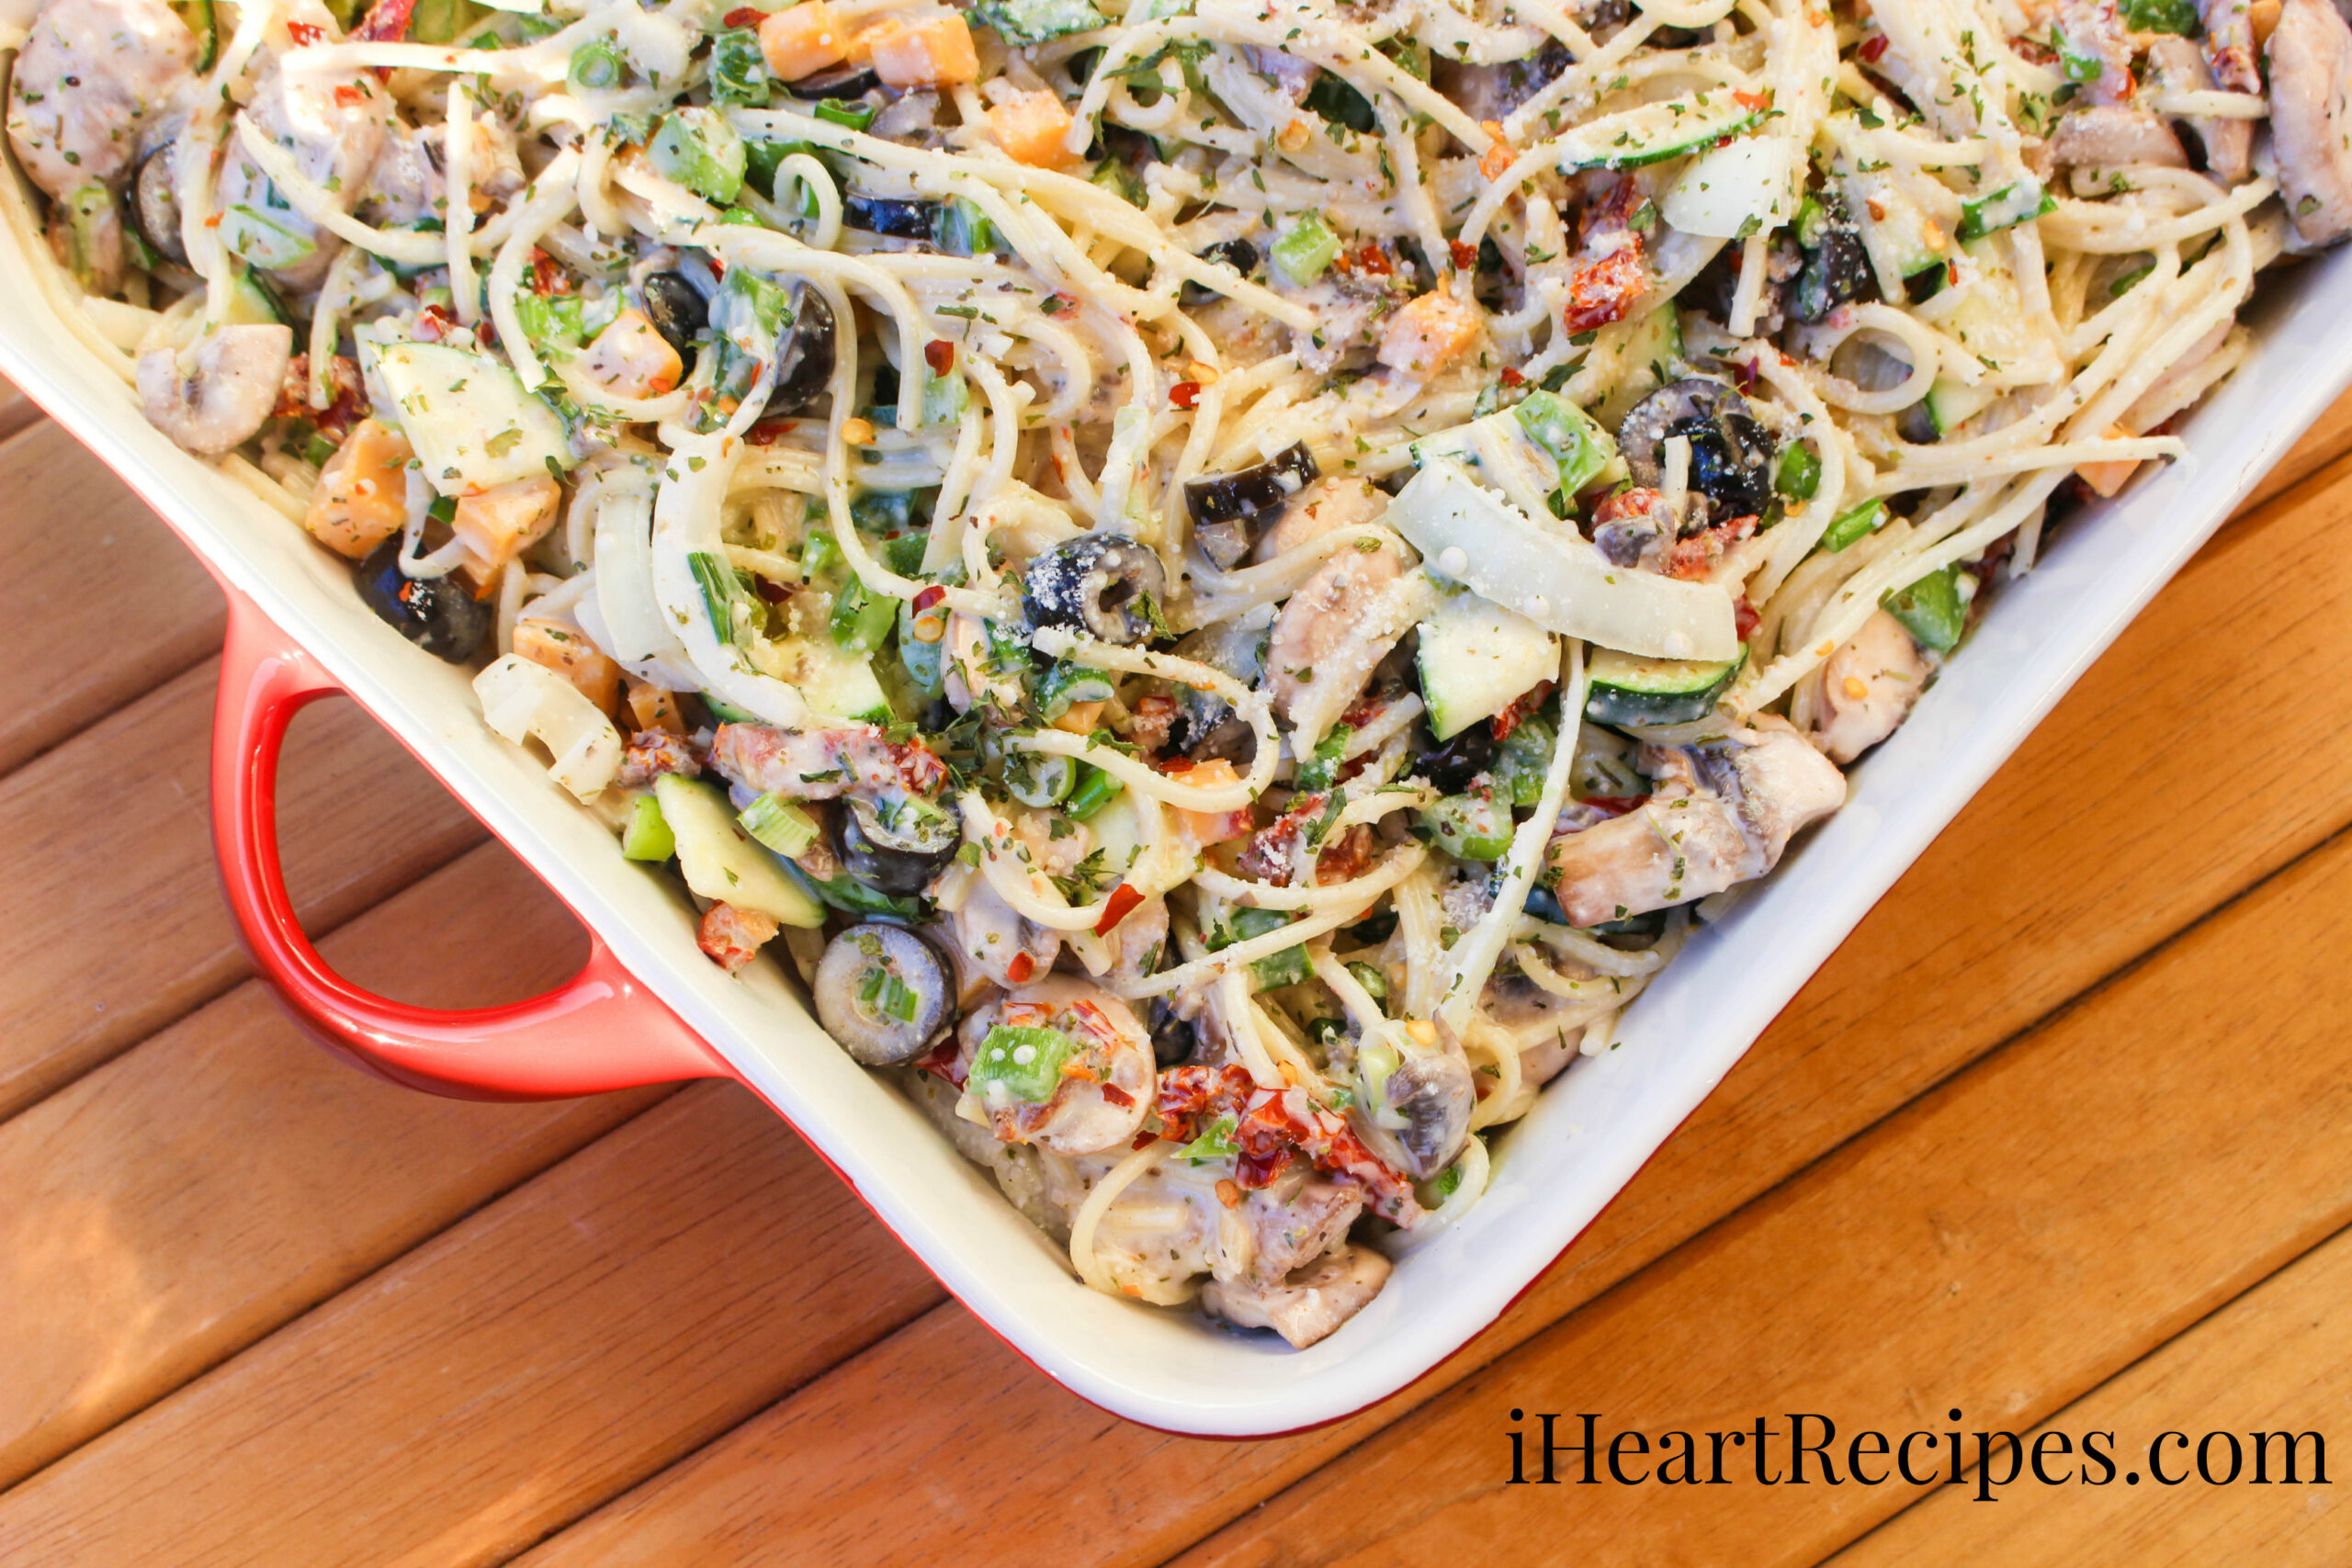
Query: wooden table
2062, 1136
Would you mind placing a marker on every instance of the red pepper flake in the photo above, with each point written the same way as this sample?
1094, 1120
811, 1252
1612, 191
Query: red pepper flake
347, 98
1144, 1140
213, 222
1743, 374
939, 355
768, 432
746, 16
304, 35
1614, 804
1374, 261
1177, 764
1743, 618
1511, 377
1755, 102
547, 274
1020, 968
1116, 907
1464, 256
1873, 48
930, 598
1118, 1096
1185, 394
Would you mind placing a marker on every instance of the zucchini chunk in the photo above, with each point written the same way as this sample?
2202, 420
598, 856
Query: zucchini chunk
1625, 690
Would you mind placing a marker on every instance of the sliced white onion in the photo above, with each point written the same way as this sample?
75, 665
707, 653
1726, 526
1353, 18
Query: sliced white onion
1553, 577
685, 522
524, 701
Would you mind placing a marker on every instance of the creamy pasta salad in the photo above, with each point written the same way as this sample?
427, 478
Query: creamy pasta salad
1224, 579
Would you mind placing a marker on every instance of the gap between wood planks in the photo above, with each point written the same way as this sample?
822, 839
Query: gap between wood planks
315, 1363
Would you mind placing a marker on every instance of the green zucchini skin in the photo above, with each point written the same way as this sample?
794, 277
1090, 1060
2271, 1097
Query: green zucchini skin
1624, 690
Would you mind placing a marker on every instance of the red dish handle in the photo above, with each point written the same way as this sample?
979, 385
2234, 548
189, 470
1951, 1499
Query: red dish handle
600, 1030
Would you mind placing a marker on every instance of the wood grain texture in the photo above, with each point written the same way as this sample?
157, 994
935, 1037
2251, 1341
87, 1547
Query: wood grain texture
172, 1206
1961, 955
2277, 1359
98, 603
589, 1328
16, 411
2328, 439
2001, 1247
114, 924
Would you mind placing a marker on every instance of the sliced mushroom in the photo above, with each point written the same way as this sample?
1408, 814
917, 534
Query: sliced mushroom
883, 993
1309, 1304
227, 396
1421, 1114
155, 205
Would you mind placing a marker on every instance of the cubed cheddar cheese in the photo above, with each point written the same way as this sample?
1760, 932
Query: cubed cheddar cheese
569, 654
935, 51
499, 523
1030, 128
1428, 332
2111, 476
630, 359
1205, 828
803, 40
362, 494
653, 707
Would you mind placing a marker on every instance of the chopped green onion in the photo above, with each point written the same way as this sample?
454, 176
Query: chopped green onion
944, 399
1025, 1061
1799, 473
862, 618
1039, 778
646, 835
963, 229
819, 555
598, 65
847, 112
1306, 248
779, 824
885, 995
1373, 978
734, 608
1064, 686
1851, 528
1094, 790
1470, 827
1215, 1142
2011, 205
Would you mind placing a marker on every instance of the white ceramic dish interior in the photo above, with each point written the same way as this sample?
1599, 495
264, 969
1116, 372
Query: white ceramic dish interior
1553, 1172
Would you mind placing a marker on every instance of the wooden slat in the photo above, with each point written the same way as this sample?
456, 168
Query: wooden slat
114, 924
16, 411
98, 601
2277, 1359
1966, 952
170, 1208
604, 1319
2000, 1248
